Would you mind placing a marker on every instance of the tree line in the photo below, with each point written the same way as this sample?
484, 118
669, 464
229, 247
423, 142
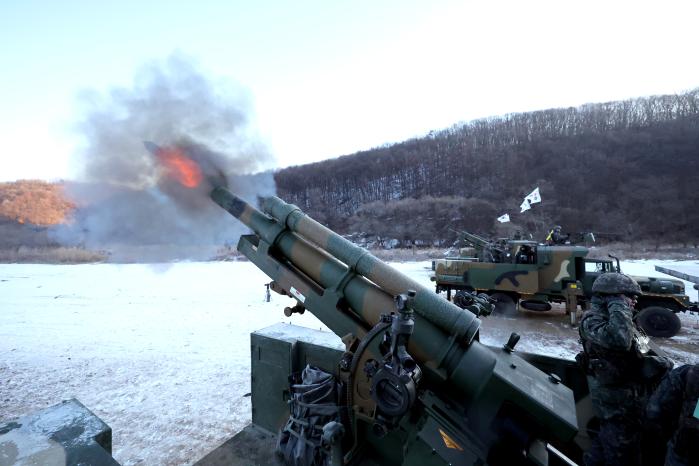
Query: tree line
626, 169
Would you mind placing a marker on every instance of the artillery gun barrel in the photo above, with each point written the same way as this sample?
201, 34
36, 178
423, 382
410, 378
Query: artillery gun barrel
481, 243
367, 299
475, 239
444, 314
283, 217
681, 275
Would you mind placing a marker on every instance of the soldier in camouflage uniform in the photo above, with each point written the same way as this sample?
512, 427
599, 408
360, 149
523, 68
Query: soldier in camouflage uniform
620, 367
556, 237
672, 414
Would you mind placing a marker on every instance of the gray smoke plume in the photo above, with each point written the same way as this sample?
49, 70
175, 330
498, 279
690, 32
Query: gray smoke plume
125, 196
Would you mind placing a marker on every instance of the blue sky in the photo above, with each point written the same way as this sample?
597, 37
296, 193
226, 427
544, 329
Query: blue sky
328, 78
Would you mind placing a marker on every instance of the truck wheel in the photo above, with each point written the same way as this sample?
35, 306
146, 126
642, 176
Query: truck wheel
659, 321
504, 304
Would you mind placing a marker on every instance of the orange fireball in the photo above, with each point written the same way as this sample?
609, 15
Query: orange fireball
179, 166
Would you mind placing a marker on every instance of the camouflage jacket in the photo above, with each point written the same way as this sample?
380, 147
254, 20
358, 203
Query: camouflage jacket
607, 332
617, 351
673, 408
608, 325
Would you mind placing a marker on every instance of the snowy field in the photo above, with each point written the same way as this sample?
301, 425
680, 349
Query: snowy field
161, 352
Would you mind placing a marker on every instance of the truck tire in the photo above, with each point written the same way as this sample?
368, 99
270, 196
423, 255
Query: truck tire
505, 305
533, 305
659, 321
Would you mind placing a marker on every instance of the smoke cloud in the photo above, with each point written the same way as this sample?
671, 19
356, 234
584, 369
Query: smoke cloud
124, 197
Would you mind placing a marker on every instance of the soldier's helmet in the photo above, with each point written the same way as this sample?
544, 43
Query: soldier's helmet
616, 283
557, 228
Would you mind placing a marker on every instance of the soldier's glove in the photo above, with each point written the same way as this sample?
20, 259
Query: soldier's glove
654, 368
619, 303
615, 299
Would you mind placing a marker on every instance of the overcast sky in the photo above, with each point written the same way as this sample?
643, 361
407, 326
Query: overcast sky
328, 78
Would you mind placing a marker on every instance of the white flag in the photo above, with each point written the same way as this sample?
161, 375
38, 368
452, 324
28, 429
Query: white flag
504, 218
525, 206
534, 196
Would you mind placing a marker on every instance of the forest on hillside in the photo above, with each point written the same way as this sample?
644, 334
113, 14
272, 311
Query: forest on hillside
33, 201
626, 170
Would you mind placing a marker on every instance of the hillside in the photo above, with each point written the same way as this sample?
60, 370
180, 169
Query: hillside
28, 210
36, 202
626, 170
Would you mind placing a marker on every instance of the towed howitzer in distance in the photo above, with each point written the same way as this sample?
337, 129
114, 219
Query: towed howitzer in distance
694, 279
485, 250
417, 386
681, 275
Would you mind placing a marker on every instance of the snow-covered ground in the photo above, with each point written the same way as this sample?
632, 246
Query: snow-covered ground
161, 352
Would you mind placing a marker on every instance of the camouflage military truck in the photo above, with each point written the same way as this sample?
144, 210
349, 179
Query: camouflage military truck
534, 276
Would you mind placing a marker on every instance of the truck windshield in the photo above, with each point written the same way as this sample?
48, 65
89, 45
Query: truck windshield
594, 266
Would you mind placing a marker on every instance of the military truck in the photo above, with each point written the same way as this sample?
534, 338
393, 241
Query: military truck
528, 275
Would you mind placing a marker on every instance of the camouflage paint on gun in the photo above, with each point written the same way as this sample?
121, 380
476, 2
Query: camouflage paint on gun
348, 289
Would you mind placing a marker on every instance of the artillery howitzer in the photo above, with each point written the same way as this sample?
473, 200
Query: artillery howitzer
694, 307
681, 275
486, 250
532, 276
416, 385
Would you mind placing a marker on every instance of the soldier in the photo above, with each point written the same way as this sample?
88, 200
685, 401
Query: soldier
620, 367
556, 237
673, 407
525, 254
